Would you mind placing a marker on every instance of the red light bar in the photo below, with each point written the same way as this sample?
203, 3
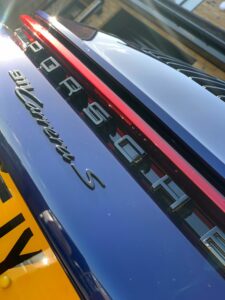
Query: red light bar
193, 175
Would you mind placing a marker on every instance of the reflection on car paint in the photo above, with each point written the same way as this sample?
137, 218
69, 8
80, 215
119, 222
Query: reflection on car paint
135, 157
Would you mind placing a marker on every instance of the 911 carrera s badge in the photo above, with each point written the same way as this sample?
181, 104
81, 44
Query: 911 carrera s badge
24, 92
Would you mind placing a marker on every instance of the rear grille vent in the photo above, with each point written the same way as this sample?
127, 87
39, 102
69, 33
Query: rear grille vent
214, 85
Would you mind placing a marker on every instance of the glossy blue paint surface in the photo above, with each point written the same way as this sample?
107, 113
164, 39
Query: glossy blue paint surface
115, 236
194, 114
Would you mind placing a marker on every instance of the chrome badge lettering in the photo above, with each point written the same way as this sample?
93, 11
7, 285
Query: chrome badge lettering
24, 92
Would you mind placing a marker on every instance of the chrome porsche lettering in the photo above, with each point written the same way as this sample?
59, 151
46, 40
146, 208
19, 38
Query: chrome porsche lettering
96, 113
35, 107
172, 189
49, 64
129, 149
71, 85
35, 47
214, 240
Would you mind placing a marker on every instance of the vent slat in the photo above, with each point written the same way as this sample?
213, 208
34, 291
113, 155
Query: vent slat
205, 82
215, 90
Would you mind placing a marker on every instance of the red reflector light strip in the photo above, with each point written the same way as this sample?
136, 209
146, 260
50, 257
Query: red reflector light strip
194, 176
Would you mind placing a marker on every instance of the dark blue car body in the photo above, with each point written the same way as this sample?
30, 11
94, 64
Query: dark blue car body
114, 238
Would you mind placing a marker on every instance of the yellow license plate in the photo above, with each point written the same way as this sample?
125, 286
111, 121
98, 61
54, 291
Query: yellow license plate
28, 267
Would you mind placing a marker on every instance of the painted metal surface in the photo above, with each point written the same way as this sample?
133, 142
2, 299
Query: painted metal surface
170, 95
214, 195
114, 241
